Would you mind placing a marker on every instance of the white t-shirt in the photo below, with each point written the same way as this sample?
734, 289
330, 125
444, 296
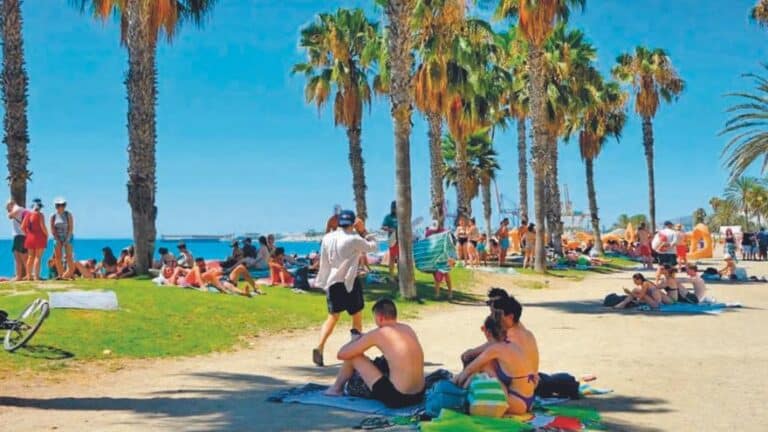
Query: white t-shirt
17, 215
664, 241
340, 254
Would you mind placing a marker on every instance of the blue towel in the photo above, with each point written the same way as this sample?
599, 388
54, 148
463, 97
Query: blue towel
432, 253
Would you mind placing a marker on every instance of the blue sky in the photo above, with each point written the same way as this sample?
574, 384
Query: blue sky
239, 150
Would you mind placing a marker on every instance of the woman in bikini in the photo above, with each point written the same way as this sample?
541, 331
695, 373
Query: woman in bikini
474, 237
503, 235
669, 283
530, 245
462, 238
507, 362
730, 243
644, 292
108, 265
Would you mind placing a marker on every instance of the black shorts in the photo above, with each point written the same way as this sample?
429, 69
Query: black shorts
384, 391
18, 244
670, 259
339, 300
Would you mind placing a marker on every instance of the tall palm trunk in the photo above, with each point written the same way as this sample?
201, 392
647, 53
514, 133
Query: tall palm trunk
522, 168
487, 205
357, 164
14, 92
464, 197
398, 14
554, 206
648, 144
538, 149
592, 196
437, 168
142, 96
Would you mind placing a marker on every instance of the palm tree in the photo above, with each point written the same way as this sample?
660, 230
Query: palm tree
653, 78
141, 24
536, 20
341, 48
569, 72
398, 13
515, 54
758, 201
483, 165
749, 125
724, 212
14, 88
759, 13
436, 24
739, 192
603, 116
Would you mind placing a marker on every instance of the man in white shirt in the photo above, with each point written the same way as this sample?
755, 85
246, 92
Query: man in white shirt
16, 215
664, 243
340, 254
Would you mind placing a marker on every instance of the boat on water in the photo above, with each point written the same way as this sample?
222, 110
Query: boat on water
197, 238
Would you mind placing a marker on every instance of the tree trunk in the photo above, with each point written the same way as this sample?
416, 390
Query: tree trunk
487, 205
592, 196
142, 96
554, 206
437, 168
522, 168
648, 144
538, 149
398, 16
463, 195
14, 93
357, 164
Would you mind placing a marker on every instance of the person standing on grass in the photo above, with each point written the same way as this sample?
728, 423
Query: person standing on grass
390, 227
36, 238
16, 214
503, 235
340, 253
62, 228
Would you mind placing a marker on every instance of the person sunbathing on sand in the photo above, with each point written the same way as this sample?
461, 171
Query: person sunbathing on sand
729, 271
404, 384
670, 284
699, 286
507, 362
645, 291
278, 273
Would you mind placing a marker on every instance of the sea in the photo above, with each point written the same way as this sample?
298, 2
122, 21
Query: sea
91, 248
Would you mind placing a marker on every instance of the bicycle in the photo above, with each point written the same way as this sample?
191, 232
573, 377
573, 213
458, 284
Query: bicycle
19, 331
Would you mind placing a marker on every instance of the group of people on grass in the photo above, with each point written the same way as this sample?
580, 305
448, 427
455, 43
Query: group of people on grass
30, 239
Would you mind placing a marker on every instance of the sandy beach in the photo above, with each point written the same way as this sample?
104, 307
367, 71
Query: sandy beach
669, 372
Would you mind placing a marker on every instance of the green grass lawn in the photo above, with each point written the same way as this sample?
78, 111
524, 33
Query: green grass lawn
168, 321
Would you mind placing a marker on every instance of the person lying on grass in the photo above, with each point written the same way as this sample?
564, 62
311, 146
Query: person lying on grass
200, 277
507, 362
645, 292
404, 386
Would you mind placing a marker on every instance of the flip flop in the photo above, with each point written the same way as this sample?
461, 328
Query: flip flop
317, 357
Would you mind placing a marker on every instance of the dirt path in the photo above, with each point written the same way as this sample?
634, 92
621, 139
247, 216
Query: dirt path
668, 372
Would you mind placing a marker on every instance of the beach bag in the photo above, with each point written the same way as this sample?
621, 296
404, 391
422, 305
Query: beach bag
486, 397
445, 395
559, 385
711, 271
613, 299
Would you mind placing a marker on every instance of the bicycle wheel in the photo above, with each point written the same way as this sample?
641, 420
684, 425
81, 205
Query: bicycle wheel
26, 325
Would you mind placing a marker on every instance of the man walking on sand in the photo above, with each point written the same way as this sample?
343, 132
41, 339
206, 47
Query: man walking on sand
16, 215
401, 384
390, 227
340, 254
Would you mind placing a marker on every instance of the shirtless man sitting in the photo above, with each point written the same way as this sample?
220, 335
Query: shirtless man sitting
402, 351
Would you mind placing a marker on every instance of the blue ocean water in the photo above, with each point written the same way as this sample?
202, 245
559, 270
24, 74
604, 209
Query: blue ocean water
91, 248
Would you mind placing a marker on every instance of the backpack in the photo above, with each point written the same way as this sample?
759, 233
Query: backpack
561, 385
613, 299
445, 394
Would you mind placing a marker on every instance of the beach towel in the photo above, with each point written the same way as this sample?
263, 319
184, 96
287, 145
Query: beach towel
688, 308
312, 394
432, 253
552, 418
92, 300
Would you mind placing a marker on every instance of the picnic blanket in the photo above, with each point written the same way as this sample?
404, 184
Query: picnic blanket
312, 394
551, 418
432, 253
92, 300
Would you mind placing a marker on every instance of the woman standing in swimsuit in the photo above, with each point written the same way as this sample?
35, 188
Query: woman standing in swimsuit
503, 235
730, 243
462, 238
508, 363
474, 237
36, 239
530, 245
